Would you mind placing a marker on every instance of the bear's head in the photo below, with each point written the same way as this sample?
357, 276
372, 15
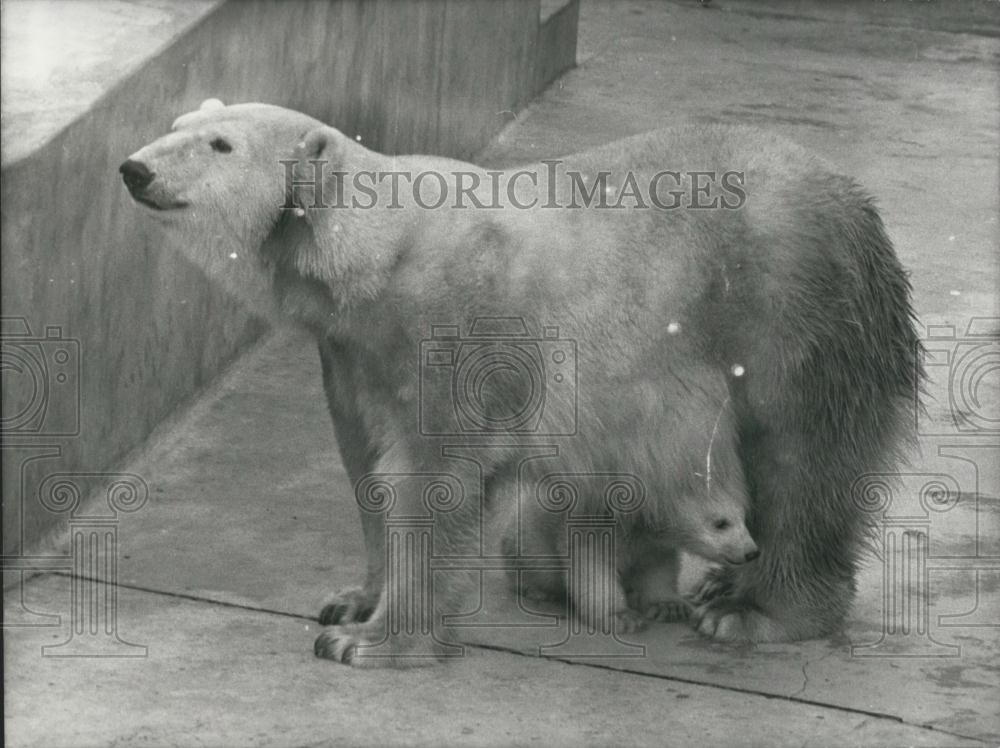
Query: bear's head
216, 186
223, 186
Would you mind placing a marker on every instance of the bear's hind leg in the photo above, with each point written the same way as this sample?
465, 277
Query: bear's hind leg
802, 585
829, 370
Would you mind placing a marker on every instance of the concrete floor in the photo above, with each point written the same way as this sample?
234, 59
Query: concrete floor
250, 519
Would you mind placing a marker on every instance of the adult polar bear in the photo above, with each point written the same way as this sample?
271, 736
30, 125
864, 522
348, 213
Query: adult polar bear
799, 287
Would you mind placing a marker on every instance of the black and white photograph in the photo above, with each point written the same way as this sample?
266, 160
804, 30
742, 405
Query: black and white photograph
500, 373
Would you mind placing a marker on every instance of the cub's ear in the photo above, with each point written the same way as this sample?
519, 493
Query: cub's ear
209, 104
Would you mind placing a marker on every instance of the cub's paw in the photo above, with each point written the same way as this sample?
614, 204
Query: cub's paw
717, 583
667, 611
349, 605
730, 620
629, 621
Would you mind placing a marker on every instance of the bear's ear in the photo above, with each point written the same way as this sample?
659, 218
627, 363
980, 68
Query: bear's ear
208, 105
319, 144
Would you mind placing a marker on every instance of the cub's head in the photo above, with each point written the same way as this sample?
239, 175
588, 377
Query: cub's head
714, 527
216, 185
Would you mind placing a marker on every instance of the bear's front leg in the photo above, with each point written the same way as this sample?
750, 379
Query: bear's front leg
353, 604
368, 645
405, 628
356, 604
431, 516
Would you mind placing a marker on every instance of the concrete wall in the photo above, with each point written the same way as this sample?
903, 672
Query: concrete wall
147, 331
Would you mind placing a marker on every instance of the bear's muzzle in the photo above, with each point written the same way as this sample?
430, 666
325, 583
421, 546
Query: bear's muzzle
136, 175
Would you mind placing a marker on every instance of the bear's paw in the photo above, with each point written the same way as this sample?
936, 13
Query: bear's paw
365, 645
727, 619
667, 611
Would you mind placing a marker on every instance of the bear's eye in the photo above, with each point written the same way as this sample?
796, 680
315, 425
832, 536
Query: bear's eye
221, 145
721, 524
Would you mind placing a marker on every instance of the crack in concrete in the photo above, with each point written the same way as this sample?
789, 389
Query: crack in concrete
805, 675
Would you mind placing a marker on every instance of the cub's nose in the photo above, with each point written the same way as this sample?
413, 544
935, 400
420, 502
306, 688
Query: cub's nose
751, 556
136, 175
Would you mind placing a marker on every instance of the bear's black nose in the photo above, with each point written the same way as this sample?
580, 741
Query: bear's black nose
751, 556
136, 175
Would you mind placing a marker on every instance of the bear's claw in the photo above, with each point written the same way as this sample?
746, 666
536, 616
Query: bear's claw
364, 645
350, 605
335, 644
